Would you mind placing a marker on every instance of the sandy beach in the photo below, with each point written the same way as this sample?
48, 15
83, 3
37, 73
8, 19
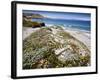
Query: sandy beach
27, 31
81, 35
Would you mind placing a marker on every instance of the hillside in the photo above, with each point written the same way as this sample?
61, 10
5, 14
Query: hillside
53, 47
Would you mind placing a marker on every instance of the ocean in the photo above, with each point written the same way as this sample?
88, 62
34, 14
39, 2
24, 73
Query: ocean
79, 24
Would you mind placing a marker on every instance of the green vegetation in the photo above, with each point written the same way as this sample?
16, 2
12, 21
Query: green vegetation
27, 17
29, 23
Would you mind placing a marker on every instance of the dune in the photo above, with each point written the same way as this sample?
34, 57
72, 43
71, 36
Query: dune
55, 46
81, 35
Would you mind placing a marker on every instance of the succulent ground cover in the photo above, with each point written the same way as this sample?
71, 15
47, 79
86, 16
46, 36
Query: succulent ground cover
53, 47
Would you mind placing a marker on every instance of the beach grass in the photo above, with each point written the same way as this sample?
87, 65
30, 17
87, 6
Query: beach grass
39, 49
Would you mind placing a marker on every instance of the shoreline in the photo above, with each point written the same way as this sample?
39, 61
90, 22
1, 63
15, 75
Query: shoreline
67, 27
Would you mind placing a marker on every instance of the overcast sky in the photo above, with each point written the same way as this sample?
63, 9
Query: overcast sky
62, 15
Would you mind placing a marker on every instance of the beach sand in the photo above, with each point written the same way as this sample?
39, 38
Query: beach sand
81, 35
27, 31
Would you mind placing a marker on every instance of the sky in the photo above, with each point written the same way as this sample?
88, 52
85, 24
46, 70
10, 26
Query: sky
62, 15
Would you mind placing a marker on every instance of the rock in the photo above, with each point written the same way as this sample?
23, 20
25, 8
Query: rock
38, 25
42, 24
